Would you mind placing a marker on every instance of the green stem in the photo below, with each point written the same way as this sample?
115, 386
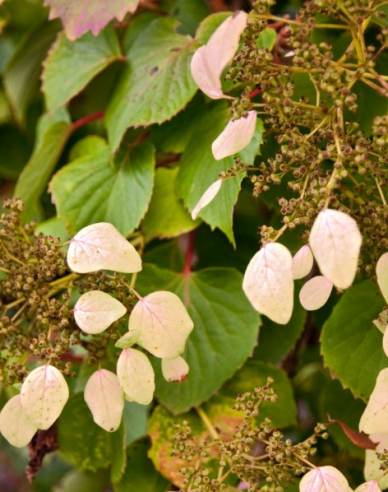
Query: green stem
209, 426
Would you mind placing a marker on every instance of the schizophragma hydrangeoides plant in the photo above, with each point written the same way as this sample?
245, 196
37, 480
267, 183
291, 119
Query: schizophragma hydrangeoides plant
247, 121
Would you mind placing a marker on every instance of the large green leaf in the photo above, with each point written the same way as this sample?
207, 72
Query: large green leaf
21, 76
140, 473
15, 152
70, 66
351, 344
224, 335
93, 188
341, 405
53, 133
83, 481
86, 445
157, 83
199, 169
166, 216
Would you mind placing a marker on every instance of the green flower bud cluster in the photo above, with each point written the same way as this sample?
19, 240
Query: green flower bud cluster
257, 454
36, 292
306, 91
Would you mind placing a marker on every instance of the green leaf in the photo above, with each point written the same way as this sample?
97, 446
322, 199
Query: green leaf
167, 255
119, 455
85, 444
351, 344
83, 481
209, 25
215, 348
71, 65
135, 421
174, 135
267, 39
21, 76
188, 12
53, 227
166, 216
341, 405
276, 340
199, 169
15, 152
140, 473
33, 180
87, 145
93, 188
156, 85
136, 26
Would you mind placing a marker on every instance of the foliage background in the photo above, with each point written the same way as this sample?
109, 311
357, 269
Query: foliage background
64, 108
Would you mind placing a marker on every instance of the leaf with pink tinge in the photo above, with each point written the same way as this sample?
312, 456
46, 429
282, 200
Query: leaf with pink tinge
235, 137
302, 262
105, 398
175, 369
335, 241
95, 311
382, 275
15, 425
210, 60
80, 16
268, 282
324, 479
136, 376
43, 395
372, 470
374, 420
101, 247
371, 486
207, 197
315, 292
163, 322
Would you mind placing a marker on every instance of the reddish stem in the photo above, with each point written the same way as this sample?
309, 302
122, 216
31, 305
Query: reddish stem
189, 254
254, 92
168, 160
87, 119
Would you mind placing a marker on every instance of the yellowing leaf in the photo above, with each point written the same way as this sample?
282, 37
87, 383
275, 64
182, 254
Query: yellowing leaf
206, 198
235, 137
175, 369
136, 376
335, 242
163, 323
382, 275
371, 486
101, 246
374, 420
79, 17
95, 311
43, 395
302, 262
268, 282
324, 479
210, 60
315, 292
105, 398
15, 425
